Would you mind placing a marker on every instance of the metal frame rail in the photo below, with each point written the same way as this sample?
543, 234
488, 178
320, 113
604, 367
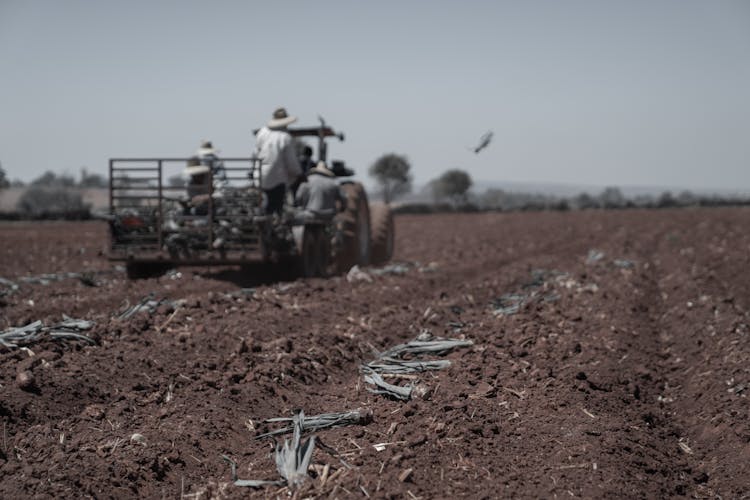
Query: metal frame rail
147, 185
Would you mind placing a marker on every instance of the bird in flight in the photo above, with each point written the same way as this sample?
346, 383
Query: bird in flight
484, 141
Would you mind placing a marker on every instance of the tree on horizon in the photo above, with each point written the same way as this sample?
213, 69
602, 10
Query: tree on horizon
4, 182
392, 173
453, 184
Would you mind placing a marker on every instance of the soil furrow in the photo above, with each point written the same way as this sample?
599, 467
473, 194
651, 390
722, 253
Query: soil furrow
619, 375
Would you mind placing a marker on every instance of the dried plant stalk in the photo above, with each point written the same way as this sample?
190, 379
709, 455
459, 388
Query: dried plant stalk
360, 416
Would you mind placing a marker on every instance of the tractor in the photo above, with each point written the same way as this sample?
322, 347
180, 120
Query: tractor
154, 227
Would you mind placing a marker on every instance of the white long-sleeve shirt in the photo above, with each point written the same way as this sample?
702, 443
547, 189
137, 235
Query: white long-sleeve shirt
279, 164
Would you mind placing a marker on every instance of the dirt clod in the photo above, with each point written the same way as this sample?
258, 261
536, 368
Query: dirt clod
26, 381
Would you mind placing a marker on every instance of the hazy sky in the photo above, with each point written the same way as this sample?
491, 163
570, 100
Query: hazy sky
586, 92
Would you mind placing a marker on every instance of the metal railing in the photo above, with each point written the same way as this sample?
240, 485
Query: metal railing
137, 186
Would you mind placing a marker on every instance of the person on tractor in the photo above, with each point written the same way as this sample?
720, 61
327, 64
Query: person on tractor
306, 160
208, 155
279, 166
321, 195
197, 186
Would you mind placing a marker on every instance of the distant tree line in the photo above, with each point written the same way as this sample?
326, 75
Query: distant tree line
392, 174
53, 195
500, 200
609, 198
451, 191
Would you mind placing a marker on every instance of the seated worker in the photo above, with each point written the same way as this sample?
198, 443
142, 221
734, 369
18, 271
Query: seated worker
197, 186
208, 156
321, 193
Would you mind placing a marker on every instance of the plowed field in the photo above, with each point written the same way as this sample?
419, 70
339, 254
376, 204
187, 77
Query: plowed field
610, 359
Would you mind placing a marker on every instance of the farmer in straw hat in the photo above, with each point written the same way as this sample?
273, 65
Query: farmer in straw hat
279, 165
208, 156
321, 193
197, 185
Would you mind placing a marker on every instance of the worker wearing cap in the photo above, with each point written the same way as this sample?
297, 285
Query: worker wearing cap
279, 165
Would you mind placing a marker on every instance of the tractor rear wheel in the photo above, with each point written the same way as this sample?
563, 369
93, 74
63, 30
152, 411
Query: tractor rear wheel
354, 224
383, 233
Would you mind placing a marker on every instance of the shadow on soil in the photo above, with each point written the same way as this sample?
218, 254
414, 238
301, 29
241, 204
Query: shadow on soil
252, 275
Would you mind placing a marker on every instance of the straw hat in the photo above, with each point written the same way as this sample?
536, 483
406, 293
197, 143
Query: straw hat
194, 167
321, 168
281, 119
206, 149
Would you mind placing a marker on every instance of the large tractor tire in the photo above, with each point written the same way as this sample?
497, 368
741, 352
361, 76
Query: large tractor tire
383, 233
354, 224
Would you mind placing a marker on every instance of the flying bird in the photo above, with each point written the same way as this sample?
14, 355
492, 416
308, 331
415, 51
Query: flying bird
484, 141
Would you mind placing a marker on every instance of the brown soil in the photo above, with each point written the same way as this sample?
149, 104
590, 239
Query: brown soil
609, 381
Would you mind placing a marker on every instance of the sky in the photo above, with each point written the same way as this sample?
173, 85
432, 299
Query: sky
627, 93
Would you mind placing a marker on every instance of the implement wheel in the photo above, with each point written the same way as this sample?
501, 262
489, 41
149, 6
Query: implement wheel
354, 224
